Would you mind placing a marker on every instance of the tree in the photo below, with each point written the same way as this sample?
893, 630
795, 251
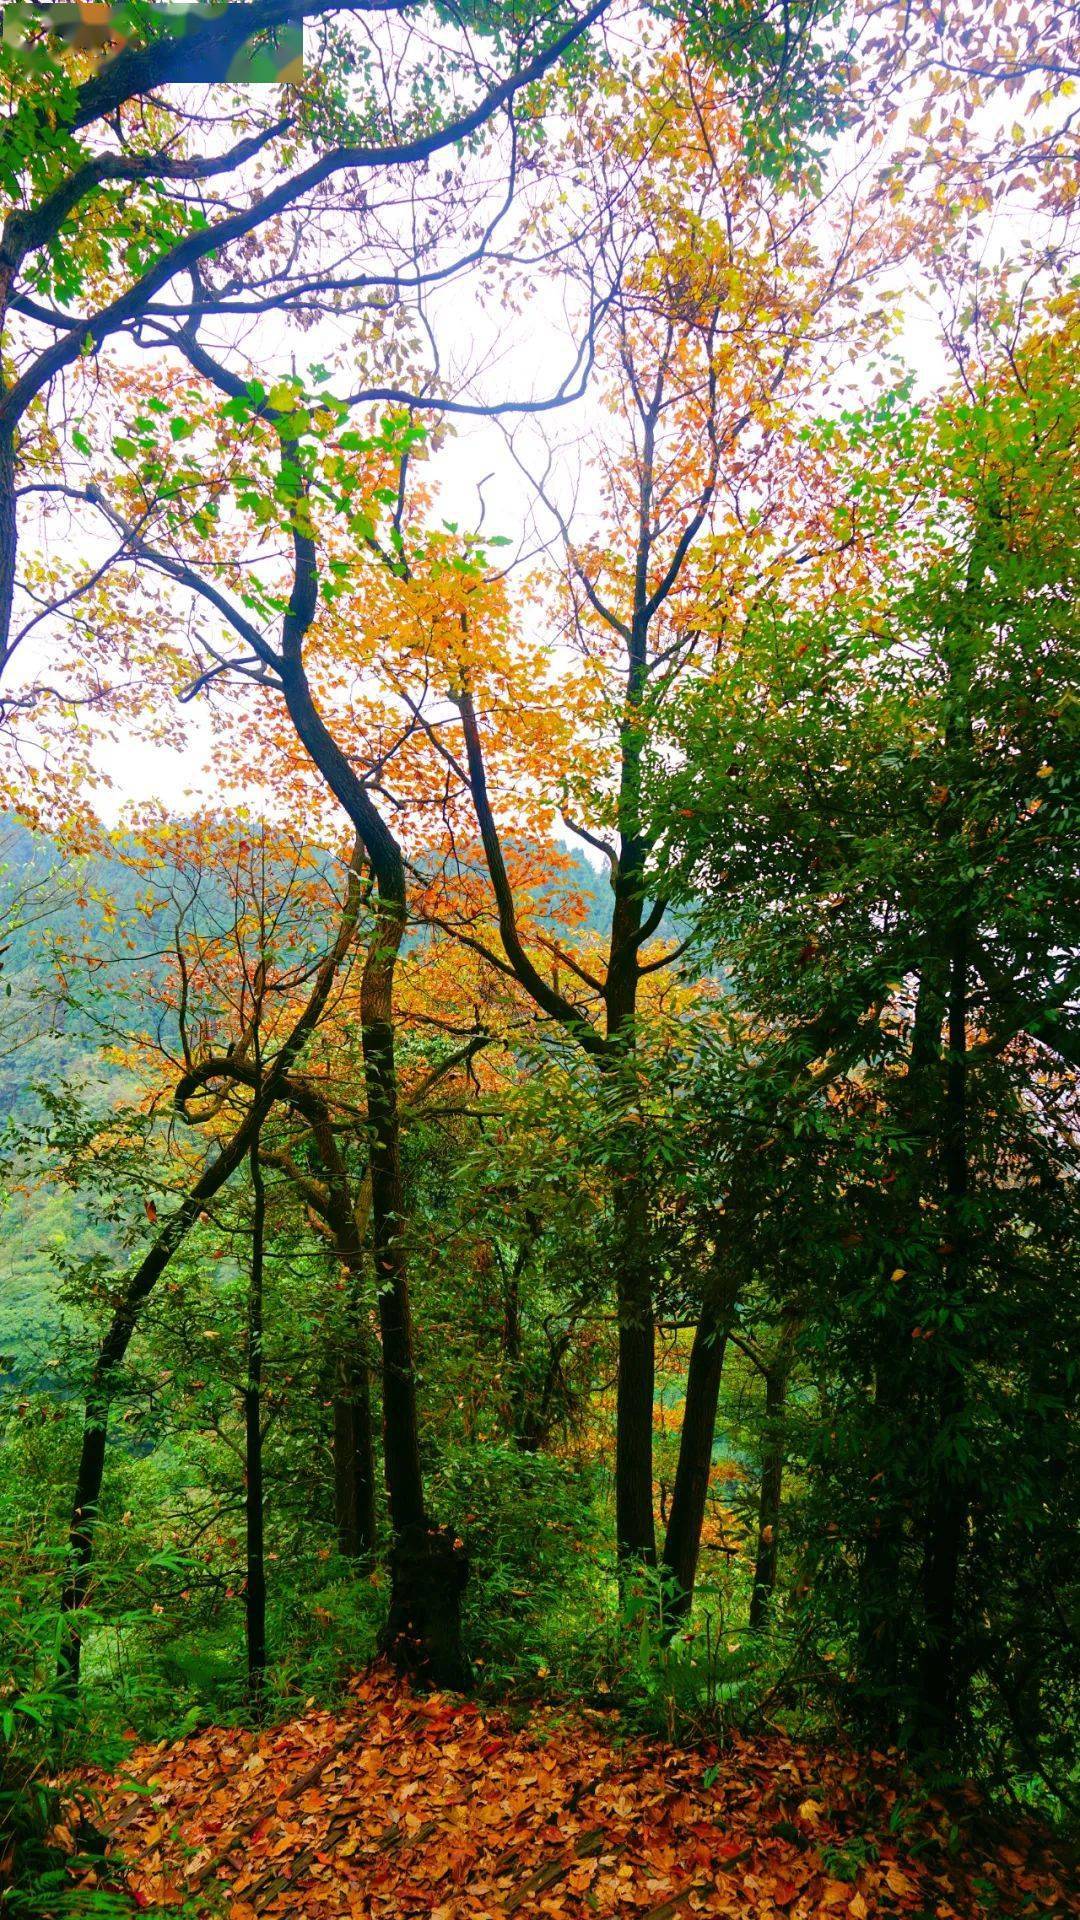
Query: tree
722, 317
88, 163
878, 881
729, 307
232, 1152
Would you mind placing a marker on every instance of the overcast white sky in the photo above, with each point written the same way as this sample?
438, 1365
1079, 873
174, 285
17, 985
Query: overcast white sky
524, 355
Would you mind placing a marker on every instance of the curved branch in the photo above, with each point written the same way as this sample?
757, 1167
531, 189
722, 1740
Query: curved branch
545, 996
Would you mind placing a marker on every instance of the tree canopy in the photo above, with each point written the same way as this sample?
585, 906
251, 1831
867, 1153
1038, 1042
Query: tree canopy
538, 698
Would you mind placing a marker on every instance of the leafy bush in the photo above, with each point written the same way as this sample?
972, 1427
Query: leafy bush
530, 1526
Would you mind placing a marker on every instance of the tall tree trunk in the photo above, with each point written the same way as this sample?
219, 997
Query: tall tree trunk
948, 1504
255, 1588
881, 1568
772, 1481
354, 1457
682, 1540
635, 1527
8, 519
354, 1446
429, 1567
401, 1437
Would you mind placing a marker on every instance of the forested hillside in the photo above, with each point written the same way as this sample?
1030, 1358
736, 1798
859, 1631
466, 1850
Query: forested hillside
539, 963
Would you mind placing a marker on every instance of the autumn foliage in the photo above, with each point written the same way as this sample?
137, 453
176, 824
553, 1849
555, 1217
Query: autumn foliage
539, 1152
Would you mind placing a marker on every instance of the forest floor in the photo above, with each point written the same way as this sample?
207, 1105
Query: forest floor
400, 1805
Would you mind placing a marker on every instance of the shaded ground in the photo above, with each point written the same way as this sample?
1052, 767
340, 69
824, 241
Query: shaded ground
400, 1805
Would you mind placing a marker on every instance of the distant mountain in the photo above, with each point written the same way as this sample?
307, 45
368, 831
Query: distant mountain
47, 899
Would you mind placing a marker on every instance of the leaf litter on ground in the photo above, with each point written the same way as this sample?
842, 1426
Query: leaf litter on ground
403, 1804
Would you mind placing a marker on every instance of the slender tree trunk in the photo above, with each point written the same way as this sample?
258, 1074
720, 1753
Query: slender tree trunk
429, 1567
8, 524
635, 1527
400, 1429
354, 1458
772, 1480
948, 1505
354, 1446
91, 1467
255, 1588
511, 1330
401, 1437
682, 1540
881, 1569
635, 1524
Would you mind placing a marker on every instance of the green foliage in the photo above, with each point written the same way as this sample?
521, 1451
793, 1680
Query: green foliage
875, 812
789, 67
45, 1733
529, 1523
